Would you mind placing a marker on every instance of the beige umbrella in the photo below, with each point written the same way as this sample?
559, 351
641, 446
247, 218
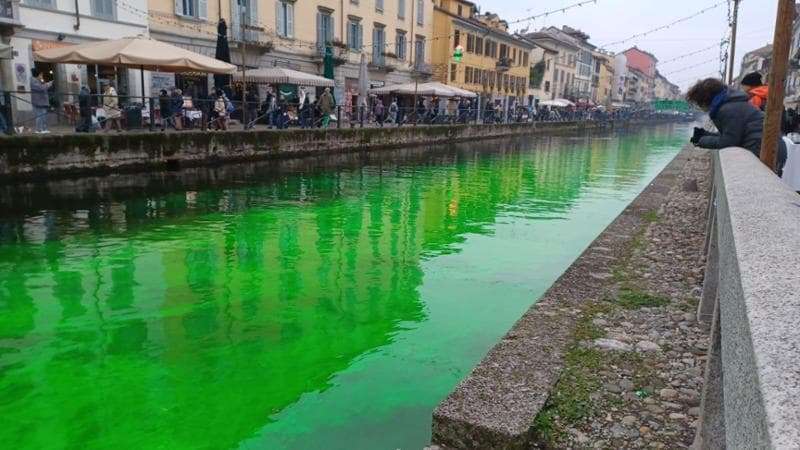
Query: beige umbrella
281, 75
431, 88
136, 52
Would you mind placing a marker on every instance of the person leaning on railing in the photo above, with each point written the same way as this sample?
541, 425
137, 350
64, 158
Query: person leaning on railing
739, 124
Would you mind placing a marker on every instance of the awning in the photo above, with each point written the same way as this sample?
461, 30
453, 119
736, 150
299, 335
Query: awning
135, 52
425, 89
6, 52
281, 75
559, 102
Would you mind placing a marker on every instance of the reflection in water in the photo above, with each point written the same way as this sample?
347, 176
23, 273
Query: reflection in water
258, 308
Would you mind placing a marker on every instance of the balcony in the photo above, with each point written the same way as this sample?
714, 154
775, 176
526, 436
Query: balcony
503, 65
254, 37
340, 53
423, 70
9, 14
385, 62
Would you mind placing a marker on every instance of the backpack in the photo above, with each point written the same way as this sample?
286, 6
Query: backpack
229, 106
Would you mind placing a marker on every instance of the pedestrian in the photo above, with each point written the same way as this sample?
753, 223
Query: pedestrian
165, 108
326, 105
177, 108
220, 111
393, 110
85, 111
739, 124
306, 114
756, 90
111, 107
378, 111
40, 99
251, 101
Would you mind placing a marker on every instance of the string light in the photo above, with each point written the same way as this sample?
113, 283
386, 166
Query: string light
664, 27
691, 67
684, 56
545, 14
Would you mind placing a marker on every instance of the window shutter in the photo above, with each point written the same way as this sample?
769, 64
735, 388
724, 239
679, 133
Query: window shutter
279, 19
178, 7
320, 32
234, 29
401, 9
202, 9
290, 19
421, 12
252, 13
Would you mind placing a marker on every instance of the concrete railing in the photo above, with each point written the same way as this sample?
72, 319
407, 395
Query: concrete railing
752, 295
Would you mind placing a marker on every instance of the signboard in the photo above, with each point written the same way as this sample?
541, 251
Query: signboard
39, 45
159, 81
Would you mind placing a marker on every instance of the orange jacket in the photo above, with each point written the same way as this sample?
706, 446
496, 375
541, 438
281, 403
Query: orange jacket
758, 96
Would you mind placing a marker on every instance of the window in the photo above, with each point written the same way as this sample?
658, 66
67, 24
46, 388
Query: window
284, 13
479, 45
525, 59
400, 45
401, 9
453, 72
419, 49
456, 38
468, 75
460, 10
421, 12
378, 44
103, 8
43, 3
547, 65
379, 5
197, 9
355, 34
324, 29
470, 43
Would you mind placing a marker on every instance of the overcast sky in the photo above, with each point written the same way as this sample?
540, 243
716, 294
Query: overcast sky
612, 20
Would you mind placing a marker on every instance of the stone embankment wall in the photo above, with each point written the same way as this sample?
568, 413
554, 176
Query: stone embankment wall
752, 294
32, 156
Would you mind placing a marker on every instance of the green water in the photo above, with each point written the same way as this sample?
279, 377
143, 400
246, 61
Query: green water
263, 308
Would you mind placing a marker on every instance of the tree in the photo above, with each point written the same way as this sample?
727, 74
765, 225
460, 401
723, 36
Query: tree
537, 75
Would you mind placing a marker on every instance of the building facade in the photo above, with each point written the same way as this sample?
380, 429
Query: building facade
542, 79
643, 65
394, 35
620, 78
564, 64
664, 89
495, 63
604, 64
44, 24
758, 60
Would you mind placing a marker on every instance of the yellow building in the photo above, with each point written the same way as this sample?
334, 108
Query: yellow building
393, 34
495, 63
605, 85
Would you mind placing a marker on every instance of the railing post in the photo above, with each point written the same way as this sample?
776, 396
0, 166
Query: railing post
152, 106
8, 113
338, 117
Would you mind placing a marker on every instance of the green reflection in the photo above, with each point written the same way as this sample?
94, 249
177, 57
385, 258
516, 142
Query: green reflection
330, 310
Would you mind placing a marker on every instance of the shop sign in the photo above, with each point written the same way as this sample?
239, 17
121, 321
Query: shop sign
38, 45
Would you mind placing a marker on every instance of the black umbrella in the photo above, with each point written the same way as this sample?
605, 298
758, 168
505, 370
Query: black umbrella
223, 54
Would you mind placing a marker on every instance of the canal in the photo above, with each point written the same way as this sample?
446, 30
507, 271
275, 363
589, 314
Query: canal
315, 304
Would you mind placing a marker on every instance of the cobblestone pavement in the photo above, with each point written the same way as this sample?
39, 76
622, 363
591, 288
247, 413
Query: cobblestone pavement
634, 378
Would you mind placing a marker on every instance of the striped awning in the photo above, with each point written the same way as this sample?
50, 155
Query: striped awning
282, 75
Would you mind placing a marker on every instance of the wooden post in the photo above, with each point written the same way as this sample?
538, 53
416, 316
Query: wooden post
780, 60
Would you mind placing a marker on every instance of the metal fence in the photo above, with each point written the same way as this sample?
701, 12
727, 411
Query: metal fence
89, 113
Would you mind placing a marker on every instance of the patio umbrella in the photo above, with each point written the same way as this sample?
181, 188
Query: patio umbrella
282, 75
138, 53
223, 53
363, 78
328, 62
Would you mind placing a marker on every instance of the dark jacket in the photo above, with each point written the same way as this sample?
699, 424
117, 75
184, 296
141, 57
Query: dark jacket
85, 102
739, 123
165, 104
39, 95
